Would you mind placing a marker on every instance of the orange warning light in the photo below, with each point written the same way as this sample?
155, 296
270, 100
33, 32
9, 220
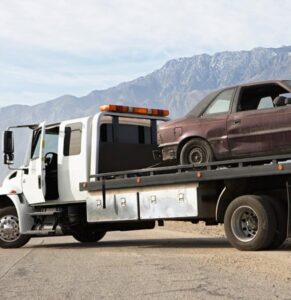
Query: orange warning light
135, 110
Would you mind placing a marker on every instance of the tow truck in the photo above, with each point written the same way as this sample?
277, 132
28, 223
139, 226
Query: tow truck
88, 176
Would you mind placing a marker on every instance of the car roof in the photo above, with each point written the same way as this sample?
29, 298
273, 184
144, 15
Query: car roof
254, 83
200, 106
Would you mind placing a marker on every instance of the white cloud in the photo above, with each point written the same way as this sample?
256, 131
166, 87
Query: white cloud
155, 25
77, 45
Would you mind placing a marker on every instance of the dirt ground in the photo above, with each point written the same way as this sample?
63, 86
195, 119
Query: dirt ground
197, 229
177, 261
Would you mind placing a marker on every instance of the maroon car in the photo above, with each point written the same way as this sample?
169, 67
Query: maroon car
246, 120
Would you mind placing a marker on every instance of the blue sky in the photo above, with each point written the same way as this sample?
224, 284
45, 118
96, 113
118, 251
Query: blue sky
51, 48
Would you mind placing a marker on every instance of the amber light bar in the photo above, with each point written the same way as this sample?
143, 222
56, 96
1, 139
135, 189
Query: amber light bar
135, 110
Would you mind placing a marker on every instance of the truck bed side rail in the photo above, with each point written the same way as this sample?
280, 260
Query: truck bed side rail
230, 169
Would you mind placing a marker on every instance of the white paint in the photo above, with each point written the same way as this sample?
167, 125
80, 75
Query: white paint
36, 170
73, 169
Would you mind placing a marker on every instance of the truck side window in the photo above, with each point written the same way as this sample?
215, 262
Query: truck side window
72, 141
127, 134
133, 134
36, 146
106, 133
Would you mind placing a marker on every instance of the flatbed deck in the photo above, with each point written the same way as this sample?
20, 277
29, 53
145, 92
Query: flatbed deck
222, 170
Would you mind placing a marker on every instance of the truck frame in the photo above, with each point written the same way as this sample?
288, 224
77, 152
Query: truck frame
102, 177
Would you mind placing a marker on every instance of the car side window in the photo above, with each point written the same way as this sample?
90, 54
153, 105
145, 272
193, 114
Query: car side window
221, 104
259, 97
266, 102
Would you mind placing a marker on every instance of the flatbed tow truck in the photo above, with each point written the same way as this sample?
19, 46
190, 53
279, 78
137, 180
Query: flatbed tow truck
88, 176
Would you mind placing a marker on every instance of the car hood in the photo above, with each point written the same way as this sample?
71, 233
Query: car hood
173, 123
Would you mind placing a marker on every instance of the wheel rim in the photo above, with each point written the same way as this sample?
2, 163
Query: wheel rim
244, 223
196, 156
9, 228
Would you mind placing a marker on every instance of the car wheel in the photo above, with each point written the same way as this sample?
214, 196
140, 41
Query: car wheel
196, 151
87, 236
10, 236
250, 223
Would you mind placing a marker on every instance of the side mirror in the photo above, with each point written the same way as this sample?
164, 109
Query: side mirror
8, 147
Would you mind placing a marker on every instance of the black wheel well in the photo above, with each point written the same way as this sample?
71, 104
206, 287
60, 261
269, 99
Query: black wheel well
5, 201
236, 188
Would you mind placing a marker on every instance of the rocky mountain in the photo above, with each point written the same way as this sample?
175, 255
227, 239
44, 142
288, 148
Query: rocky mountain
178, 85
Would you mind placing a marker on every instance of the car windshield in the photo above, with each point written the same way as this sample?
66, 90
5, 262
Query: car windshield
288, 83
200, 106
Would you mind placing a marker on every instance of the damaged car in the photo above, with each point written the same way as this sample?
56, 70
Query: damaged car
241, 121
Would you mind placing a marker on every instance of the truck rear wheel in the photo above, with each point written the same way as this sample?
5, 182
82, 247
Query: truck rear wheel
10, 236
281, 220
87, 236
250, 223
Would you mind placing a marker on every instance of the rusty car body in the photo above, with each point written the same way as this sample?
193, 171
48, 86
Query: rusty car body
245, 120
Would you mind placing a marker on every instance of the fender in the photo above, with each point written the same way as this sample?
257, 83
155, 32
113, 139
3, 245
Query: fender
25, 220
231, 190
217, 209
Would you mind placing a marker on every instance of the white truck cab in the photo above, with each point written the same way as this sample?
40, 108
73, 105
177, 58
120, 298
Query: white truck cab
62, 155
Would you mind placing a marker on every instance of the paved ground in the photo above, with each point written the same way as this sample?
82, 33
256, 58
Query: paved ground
155, 264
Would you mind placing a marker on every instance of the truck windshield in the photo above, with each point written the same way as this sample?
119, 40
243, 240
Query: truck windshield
51, 142
35, 145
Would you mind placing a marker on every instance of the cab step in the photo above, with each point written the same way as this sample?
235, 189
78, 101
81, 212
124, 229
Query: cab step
44, 213
40, 232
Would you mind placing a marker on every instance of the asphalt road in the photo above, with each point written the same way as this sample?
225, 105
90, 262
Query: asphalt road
154, 264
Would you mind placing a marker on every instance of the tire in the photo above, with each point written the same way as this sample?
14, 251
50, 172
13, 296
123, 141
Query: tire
196, 151
88, 236
250, 223
9, 229
281, 220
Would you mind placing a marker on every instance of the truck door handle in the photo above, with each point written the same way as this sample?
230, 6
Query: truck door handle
236, 122
39, 181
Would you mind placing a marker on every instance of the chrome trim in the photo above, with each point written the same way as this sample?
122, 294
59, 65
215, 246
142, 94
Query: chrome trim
168, 144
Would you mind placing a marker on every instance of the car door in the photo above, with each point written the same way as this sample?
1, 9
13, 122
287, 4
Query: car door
33, 182
213, 122
260, 131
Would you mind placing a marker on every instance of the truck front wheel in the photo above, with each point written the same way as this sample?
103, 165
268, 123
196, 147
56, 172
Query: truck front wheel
10, 236
250, 223
88, 236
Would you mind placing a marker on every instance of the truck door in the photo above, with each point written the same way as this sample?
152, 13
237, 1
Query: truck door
33, 183
73, 158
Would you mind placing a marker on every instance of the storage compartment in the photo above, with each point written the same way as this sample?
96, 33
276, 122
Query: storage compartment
117, 207
168, 202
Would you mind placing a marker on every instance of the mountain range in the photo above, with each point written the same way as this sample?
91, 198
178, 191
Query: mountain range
178, 85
